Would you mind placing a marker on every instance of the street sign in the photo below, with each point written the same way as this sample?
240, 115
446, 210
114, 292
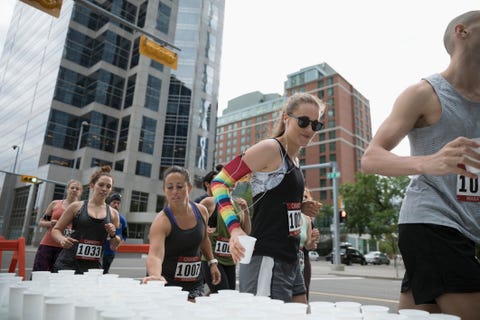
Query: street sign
333, 175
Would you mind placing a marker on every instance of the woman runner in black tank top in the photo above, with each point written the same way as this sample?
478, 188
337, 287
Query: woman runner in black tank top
92, 222
277, 185
178, 237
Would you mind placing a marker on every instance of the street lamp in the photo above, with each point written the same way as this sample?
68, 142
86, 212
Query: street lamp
15, 147
83, 124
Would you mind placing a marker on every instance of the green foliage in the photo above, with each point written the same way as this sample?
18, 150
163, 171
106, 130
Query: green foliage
372, 205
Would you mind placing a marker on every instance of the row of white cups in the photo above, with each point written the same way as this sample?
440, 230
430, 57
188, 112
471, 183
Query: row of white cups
95, 296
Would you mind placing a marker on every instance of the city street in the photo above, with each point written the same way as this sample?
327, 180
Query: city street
370, 284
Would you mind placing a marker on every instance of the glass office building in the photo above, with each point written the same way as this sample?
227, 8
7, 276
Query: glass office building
75, 94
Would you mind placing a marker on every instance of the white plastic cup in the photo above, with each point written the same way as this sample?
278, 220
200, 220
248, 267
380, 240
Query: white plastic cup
59, 309
414, 313
443, 316
248, 243
32, 304
470, 168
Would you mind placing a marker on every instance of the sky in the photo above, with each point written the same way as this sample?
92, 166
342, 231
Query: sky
379, 46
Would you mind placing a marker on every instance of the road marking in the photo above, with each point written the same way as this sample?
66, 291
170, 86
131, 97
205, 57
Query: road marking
351, 297
339, 278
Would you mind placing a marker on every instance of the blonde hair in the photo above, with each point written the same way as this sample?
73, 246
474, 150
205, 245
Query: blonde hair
291, 105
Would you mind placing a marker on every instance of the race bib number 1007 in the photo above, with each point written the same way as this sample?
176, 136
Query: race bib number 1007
467, 189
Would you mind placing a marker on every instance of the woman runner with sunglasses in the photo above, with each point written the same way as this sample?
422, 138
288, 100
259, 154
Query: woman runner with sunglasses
277, 186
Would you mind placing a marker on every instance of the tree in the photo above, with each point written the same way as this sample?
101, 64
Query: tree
373, 204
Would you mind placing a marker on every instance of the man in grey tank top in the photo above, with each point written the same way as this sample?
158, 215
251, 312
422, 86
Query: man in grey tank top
439, 222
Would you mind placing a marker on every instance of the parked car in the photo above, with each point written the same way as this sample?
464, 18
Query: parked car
348, 256
313, 255
377, 257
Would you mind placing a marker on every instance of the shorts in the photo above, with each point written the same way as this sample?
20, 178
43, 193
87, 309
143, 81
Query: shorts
266, 276
438, 260
45, 257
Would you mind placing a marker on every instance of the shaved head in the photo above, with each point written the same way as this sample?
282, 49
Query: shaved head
465, 19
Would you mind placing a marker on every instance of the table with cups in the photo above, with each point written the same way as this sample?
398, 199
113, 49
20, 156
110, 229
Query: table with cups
98, 296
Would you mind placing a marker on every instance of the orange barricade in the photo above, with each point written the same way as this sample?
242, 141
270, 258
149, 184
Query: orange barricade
133, 248
18, 257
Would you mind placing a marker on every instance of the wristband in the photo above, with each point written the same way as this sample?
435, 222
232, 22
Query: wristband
111, 237
210, 262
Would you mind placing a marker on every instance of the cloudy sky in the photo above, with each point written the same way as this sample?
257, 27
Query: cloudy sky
379, 46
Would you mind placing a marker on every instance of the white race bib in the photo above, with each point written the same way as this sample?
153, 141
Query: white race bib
294, 218
188, 269
222, 247
467, 189
89, 250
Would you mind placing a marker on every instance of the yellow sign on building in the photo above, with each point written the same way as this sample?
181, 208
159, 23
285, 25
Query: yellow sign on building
158, 53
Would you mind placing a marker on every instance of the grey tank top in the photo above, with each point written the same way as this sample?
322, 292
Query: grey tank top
449, 200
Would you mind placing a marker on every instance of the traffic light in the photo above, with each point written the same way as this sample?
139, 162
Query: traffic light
52, 7
342, 216
158, 53
29, 179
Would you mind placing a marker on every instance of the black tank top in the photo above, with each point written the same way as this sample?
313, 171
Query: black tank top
276, 222
91, 236
182, 260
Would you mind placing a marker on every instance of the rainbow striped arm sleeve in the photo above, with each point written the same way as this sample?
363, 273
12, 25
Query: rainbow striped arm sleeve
220, 187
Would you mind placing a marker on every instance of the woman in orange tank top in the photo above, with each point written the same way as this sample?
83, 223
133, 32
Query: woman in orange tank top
49, 249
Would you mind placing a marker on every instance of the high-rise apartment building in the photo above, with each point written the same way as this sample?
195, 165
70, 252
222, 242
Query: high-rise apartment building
75, 94
250, 118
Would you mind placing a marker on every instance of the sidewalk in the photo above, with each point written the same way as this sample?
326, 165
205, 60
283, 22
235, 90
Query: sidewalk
355, 270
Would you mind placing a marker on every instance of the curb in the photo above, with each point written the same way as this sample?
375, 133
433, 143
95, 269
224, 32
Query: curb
365, 276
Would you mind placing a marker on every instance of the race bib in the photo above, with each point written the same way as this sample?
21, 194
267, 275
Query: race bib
467, 189
188, 269
89, 250
294, 218
222, 247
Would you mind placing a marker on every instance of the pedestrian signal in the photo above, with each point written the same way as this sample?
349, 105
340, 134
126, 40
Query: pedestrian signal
158, 53
342, 215
29, 179
52, 7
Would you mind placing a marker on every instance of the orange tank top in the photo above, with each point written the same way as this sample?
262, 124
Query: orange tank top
56, 213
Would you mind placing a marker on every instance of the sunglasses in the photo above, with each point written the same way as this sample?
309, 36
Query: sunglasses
304, 121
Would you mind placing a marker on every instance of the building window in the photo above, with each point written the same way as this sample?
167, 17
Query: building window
160, 203
332, 146
119, 165
95, 162
139, 202
135, 53
323, 195
130, 91
58, 161
330, 92
331, 134
138, 231
321, 148
333, 157
143, 169
123, 137
152, 96
163, 18
147, 135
